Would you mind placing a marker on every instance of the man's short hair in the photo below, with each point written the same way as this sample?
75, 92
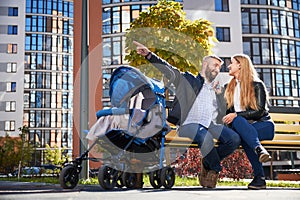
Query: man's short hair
215, 57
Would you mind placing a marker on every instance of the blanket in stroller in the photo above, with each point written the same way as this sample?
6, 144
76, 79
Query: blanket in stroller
138, 123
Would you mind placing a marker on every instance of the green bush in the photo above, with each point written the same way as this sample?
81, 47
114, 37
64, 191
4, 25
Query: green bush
236, 166
55, 156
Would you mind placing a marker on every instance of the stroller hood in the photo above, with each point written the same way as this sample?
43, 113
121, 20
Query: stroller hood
127, 81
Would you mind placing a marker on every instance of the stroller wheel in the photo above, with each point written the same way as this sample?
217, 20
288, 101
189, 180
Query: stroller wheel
167, 177
107, 177
155, 179
120, 183
69, 177
129, 179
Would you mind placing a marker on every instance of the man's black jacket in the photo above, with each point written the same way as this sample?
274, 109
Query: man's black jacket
187, 87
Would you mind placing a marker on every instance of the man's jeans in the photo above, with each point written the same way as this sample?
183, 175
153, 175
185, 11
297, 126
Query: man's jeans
250, 135
228, 139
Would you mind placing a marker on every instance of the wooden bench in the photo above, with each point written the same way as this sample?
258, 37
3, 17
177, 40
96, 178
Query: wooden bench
287, 136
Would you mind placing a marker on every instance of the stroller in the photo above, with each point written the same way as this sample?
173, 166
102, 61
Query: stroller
131, 135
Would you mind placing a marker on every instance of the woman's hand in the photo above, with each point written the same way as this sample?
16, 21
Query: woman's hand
141, 49
229, 118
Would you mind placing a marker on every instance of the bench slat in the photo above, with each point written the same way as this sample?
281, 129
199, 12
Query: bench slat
285, 134
292, 128
285, 117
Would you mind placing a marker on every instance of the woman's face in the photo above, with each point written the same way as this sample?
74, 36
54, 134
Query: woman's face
234, 68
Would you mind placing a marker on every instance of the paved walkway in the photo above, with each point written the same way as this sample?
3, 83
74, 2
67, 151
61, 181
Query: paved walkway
25, 190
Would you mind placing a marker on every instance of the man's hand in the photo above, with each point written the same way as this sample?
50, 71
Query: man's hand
217, 87
141, 49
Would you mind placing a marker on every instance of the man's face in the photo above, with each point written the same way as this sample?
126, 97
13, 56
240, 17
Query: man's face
212, 69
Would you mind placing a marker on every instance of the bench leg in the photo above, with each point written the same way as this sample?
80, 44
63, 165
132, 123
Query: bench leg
271, 166
167, 155
292, 160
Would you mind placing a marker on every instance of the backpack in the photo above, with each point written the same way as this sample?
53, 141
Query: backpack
174, 112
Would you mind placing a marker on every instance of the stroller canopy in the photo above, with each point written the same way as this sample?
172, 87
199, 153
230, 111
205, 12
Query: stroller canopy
127, 81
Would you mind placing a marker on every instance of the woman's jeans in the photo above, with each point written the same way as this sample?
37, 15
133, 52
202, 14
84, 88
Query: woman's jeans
228, 139
250, 135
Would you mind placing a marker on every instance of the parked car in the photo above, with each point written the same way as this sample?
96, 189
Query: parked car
28, 171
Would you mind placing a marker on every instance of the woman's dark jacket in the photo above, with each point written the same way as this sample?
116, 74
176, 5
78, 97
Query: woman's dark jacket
256, 115
187, 87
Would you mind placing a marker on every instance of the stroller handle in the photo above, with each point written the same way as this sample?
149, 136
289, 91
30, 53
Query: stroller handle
112, 111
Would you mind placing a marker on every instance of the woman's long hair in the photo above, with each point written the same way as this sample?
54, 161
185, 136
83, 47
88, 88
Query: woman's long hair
247, 75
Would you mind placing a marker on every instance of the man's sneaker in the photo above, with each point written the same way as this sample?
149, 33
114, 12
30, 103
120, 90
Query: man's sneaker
262, 153
258, 183
203, 174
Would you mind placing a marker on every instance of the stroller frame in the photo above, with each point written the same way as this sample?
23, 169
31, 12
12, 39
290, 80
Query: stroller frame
115, 170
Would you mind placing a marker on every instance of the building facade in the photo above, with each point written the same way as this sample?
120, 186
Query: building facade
37, 72
267, 31
271, 36
12, 34
48, 73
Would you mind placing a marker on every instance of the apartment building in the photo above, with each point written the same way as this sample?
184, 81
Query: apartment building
36, 72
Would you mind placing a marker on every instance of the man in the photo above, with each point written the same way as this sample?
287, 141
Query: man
200, 112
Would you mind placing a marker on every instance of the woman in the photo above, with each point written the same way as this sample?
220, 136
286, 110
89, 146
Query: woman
247, 114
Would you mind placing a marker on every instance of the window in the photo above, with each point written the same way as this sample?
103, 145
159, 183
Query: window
106, 73
11, 68
222, 5
9, 125
12, 11
263, 2
265, 54
283, 23
10, 106
255, 21
11, 87
105, 1
266, 76
117, 19
284, 52
223, 34
26, 100
224, 67
256, 51
12, 48
12, 30
296, 4
296, 25
246, 20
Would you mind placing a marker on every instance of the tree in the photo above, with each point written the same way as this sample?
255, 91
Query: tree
24, 131
164, 29
14, 151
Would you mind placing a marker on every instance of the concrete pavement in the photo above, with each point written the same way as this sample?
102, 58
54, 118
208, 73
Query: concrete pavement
25, 190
